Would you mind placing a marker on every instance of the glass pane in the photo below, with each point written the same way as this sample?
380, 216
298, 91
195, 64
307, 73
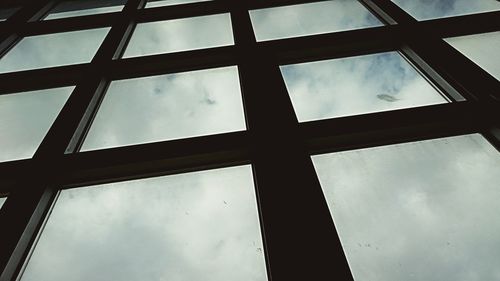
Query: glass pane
310, 19
161, 3
356, 85
417, 211
2, 200
481, 49
168, 107
6, 13
431, 9
25, 118
180, 35
53, 50
69, 9
196, 226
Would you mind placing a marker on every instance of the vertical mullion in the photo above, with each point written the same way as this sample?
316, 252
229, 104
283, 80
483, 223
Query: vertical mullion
26, 208
300, 238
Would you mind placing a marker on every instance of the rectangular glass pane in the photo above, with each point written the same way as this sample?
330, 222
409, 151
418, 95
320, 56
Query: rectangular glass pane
25, 118
432, 9
417, 211
161, 3
200, 226
167, 107
2, 200
53, 50
310, 19
7, 13
180, 35
481, 49
356, 85
69, 9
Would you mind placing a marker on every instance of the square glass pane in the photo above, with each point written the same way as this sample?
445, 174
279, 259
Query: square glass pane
481, 49
7, 13
53, 50
167, 107
180, 35
25, 118
68, 9
310, 19
432, 9
356, 85
162, 3
417, 211
200, 226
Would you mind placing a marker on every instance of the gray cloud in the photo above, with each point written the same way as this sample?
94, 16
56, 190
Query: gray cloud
356, 85
480, 48
420, 211
53, 50
168, 107
195, 226
25, 118
180, 35
430, 9
309, 19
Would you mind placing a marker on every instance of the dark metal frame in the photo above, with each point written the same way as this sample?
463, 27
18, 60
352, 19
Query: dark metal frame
299, 235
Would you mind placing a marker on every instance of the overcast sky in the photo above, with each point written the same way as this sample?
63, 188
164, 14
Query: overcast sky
429, 9
309, 19
197, 226
203, 226
418, 211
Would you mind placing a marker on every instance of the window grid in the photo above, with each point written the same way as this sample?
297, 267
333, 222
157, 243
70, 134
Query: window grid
294, 216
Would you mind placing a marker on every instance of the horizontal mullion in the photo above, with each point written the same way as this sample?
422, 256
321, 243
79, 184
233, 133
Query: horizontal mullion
171, 62
462, 25
333, 45
367, 130
180, 11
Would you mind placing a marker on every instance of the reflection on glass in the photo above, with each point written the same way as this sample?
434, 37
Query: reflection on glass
53, 50
161, 3
168, 107
195, 226
310, 19
356, 85
25, 118
431, 9
481, 49
69, 9
180, 35
6, 13
417, 211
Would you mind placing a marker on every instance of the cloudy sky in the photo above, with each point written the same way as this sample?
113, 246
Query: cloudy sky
417, 211
161, 3
309, 19
356, 85
168, 107
430, 9
2, 199
189, 227
197, 226
25, 118
56, 14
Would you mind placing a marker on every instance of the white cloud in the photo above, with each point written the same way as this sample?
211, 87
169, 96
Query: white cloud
430, 9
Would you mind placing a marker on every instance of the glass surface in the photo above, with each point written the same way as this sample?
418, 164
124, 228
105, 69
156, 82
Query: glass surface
168, 107
53, 50
200, 226
6, 13
432, 9
151, 4
2, 200
481, 49
69, 9
356, 85
25, 118
180, 35
417, 211
310, 19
